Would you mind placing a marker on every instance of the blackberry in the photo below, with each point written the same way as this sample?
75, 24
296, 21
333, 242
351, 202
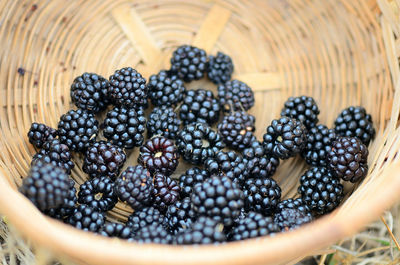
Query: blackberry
259, 163
163, 121
253, 225
98, 193
197, 142
144, 217
153, 233
261, 195
135, 186
289, 219
219, 68
128, 88
86, 218
235, 95
113, 229
320, 190
67, 207
159, 154
237, 129
89, 92
165, 192
46, 186
229, 164
297, 204
189, 63
218, 198
77, 129
285, 137
303, 109
199, 106
319, 141
124, 127
348, 159
355, 122
204, 231
56, 153
165, 89
180, 215
103, 159
191, 177
40, 133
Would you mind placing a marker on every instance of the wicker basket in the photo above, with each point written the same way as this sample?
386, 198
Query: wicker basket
340, 52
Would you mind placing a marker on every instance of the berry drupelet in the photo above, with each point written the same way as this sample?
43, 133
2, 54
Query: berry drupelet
112, 229
40, 133
89, 92
261, 195
165, 89
218, 198
319, 141
297, 204
77, 129
347, 159
199, 106
285, 137
67, 207
98, 193
165, 192
303, 109
237, 129
189, 63
320, 190
56, 153
253, 225
289, 219
219, 68
191, 177
46, 186
144, 217
197, 142
235, 95
229, 164
259, 164
163, 121
154, 233
134, 186
159, 154
103, 159
179, 216
124, 127
128, 88
355, 122
86, 218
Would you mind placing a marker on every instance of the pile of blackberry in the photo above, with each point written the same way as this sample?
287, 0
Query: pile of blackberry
226, 192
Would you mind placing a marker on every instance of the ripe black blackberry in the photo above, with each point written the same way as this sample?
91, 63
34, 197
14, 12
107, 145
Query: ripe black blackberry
229, 164
303, 109
46, 186
204, 231
112, 229
199, 106
86, 218
219, 68
237, 129
40, 133
253, 225
285, 137
134, 186
196, 142
159, 154
67, 207
179, 216
163, 121
297, 204
98, 193
355, 122
165, 192
165, 88
103, 159
289, 219
56, 153
153, 233
89, 92
144, 217
319, 141
259, 163
191, 177
261, 195
320, 190
189, 63
235, 95
218, 198
77, 129
128, 88
348, 159
124, 127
